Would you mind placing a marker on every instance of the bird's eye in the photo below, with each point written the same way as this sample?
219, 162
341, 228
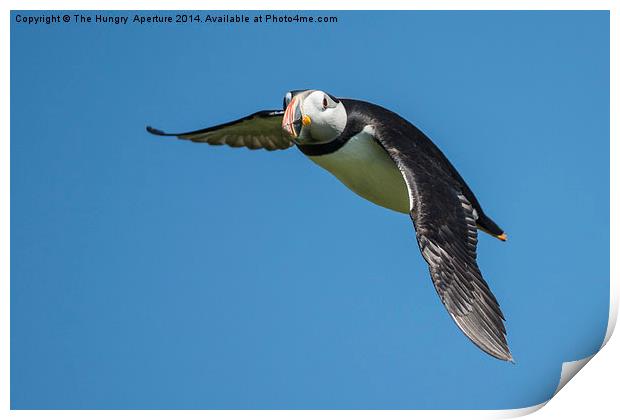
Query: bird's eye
324, 102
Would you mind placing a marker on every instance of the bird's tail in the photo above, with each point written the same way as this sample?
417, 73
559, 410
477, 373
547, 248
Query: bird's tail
489, 226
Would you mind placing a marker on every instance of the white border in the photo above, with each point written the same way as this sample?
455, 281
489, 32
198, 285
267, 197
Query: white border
568, 370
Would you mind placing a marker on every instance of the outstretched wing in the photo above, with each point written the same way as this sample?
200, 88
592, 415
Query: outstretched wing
445, 223
261, 130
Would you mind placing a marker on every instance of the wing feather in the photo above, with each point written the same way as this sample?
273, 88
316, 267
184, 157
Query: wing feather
261, 130
447, 234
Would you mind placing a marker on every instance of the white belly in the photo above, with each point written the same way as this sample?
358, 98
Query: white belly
366, 169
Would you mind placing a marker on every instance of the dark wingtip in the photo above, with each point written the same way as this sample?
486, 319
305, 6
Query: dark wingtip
155, 131
503, 355
507, 356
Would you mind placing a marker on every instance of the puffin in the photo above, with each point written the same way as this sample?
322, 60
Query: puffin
387, 160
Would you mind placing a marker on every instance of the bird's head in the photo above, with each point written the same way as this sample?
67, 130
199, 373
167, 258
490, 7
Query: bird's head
313, 116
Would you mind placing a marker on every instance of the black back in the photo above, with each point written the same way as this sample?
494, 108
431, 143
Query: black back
361, 113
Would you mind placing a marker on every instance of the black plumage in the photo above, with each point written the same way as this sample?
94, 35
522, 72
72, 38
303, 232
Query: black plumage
445, 212
446, 215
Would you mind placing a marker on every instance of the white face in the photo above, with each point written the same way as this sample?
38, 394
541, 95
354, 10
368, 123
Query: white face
322, 118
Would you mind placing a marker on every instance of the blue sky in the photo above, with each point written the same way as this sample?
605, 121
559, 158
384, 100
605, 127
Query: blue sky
149, 273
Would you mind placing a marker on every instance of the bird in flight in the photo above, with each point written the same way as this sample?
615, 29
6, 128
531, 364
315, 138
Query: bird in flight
387, 160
